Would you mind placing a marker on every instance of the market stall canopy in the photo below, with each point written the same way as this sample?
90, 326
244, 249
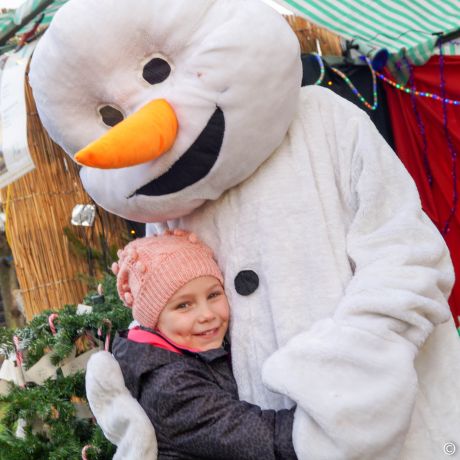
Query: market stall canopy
401, 27
19, 21
413, 26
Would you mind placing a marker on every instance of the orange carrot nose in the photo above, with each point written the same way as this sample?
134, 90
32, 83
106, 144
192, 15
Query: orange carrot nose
141, 137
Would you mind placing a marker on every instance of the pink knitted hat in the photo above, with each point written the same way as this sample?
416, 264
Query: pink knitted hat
151, 269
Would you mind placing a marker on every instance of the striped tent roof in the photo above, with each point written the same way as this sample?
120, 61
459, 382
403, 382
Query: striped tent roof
14, 18
400, 26
396, 25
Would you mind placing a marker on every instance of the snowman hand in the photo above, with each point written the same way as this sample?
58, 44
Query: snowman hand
344, 380
120, 416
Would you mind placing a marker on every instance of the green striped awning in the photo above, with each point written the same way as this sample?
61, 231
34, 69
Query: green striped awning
397, 25
49, 12
13, 18
400, 26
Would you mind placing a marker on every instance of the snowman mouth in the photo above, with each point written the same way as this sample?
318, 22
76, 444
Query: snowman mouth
194, 164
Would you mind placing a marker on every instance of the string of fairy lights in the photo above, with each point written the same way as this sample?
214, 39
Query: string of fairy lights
415, 92
322, 73
375, 75
414, 95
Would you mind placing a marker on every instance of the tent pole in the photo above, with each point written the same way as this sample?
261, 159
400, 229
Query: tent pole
447, 37
5, 36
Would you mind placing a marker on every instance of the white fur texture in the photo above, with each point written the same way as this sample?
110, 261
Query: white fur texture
122, 419
353, 276
342, 200
353, 280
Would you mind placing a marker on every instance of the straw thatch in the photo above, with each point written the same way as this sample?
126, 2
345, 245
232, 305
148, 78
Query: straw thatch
308, 33
39, 208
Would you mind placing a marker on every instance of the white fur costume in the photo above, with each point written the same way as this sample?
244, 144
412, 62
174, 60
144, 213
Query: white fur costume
353, 276
351, 376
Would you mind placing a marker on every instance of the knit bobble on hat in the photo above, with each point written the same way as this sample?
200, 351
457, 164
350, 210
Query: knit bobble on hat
151, 269
128, 298
140, 267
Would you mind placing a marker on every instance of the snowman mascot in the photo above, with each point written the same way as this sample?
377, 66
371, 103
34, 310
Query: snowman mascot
190, 114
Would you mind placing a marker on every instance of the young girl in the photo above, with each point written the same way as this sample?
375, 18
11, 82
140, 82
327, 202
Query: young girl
177, 362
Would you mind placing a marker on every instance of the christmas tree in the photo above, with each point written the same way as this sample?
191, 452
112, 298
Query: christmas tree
43, 412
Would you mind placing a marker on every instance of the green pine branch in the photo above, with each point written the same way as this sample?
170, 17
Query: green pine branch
52, 429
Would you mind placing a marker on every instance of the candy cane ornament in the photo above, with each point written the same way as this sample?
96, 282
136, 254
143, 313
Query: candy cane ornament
83, 451
107, 336
51, 319
20, 380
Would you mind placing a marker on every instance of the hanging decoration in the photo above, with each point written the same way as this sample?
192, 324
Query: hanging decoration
322, 70
413, 91
48, 416
450, 145
83, 215
350, 84
51, 319
84, 451
445, 101
15, 155
421, 126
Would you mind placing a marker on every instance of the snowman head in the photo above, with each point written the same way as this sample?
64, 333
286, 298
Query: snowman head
166, 103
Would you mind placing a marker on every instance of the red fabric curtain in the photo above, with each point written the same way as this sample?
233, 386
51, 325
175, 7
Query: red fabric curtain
437, 198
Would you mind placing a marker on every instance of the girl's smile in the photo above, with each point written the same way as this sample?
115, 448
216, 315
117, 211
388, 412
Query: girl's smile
197, 315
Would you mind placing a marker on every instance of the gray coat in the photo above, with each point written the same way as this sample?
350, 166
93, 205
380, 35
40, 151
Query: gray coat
192, 401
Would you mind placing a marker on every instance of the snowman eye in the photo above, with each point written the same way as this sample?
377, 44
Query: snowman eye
156, 71
110, 115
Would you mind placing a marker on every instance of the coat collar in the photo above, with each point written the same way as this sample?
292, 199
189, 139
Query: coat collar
141, 334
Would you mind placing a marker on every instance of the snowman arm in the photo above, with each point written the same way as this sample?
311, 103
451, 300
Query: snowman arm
352, 375
119, 415
403, 273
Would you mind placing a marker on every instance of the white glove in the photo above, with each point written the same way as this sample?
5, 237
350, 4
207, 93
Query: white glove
120, 416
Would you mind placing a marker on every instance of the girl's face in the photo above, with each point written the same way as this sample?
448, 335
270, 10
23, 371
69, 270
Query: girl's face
197, 315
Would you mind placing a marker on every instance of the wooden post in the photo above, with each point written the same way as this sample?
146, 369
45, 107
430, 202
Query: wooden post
308, 33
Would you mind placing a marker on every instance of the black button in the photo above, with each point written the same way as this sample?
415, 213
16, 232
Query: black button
246, 282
